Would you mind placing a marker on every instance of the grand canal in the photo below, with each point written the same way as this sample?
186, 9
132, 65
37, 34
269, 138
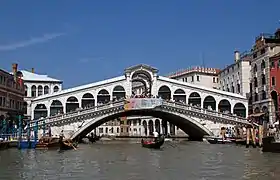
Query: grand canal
123, 161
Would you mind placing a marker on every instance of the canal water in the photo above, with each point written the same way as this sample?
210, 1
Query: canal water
124, 161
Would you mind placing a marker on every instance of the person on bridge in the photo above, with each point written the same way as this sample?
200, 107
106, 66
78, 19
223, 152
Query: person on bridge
155, 135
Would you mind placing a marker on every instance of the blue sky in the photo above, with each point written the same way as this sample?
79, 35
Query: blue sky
86, 41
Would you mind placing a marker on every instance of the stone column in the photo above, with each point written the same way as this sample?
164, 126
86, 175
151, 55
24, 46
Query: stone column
168, 128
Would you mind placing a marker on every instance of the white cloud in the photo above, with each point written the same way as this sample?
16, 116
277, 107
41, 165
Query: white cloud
31, 41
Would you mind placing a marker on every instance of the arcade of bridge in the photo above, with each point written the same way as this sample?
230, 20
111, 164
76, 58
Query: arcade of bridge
103, 97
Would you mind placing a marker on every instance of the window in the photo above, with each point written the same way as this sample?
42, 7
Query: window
100, 130
238, 88
263, 95
214, 80
55, 89
197, 78
263, 64
256, 97
26, 90
40, 90
46, 90
272, 65
255, 82
255, 68
118, 130
273, 81
254, 55
192, 78
263, 51
251, 87
33, 91
263, 79
0, 101
186, 79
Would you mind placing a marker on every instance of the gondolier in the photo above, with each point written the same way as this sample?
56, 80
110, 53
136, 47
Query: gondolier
61, 136
155, 135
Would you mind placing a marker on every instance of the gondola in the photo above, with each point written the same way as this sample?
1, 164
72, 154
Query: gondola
219, 140
67, 145
153, 144
48, 143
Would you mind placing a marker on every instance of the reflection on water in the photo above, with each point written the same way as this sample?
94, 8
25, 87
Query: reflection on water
187, 160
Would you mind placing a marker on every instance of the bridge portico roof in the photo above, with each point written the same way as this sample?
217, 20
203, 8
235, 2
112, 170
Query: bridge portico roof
198, 87
141, 66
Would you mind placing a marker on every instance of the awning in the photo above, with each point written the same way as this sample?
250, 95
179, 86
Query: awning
257, 114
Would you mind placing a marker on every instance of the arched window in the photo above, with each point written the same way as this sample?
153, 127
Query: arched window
40, 90
46, 90
55, 89
33, 91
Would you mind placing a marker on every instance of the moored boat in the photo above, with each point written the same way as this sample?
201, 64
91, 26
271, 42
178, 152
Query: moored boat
153, 144
48, 143
219, 140
270, 145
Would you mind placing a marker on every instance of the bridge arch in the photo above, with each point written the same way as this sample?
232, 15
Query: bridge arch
56, 108
164, 92
224, 106
209, 102
180, 96
40, 111
88, 100
103, 96
193, 128
195, 99
118, 92
72, 104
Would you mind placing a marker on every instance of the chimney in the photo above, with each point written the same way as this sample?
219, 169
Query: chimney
33, 70
236, 56
15, 69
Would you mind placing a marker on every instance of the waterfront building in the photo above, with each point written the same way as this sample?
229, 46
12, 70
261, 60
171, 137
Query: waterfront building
235, 78
11, 94
266, 46
37, 85
274, 62
202, 76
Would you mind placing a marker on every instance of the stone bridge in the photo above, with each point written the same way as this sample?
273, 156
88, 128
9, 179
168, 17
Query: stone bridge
188, 118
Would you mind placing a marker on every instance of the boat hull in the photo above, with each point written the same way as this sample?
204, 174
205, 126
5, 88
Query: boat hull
219, 141
153, 145
269, 145
67, 145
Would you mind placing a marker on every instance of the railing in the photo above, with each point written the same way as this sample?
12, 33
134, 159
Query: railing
76, 113
122, 103
206, 111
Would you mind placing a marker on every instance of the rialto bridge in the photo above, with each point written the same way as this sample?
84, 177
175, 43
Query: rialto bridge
83, 108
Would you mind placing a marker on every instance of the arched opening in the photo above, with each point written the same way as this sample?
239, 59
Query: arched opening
141, 83
179, 96
264, 109
72, 104
157, 125
40, 111
164, 92
257, 110
274, 97
33, 91
151, 127
56, 108
118, 93
46, 90
239, 109
195, 99
209, 103
224, 106
172, 129
25, 90
145, 127
25, 107
40, 90
103, 97
263, 79
88, 100
164, 127
55, 89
